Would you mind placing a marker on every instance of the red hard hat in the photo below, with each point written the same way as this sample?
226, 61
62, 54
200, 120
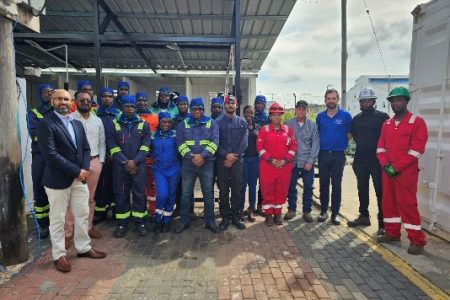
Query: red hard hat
228, 98
276, 108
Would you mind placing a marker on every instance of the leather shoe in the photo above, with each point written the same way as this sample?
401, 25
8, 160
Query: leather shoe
180, 228
44, 232
335, 220
63, 265
141, 230
213, 228
94, 233
224, 224
95, 254
238, 223
121, 231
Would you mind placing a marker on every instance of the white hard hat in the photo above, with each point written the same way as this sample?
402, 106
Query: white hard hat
367, 93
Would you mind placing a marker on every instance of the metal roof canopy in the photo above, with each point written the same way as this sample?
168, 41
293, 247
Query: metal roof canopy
156, 34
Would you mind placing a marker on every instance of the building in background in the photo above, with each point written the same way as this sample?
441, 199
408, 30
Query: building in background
381, 84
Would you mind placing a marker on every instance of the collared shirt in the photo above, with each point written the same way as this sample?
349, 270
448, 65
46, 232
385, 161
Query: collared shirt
333, 132
366, 129
233, 135
67, 121
307, 137
95, 133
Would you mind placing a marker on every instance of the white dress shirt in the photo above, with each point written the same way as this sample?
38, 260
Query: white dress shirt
95, 132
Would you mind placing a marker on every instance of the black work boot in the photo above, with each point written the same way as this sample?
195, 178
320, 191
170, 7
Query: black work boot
99, 217
44, 232
415, 249
141, 229
360, 221
224, 223
158, 228
238, 223
121, 231
166, 227
387, 239
277, 220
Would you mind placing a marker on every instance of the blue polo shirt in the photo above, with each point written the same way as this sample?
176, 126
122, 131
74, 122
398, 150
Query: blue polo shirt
334, 131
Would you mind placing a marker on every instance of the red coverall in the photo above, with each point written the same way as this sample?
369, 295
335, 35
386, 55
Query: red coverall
402, 145
279, 145
150, 189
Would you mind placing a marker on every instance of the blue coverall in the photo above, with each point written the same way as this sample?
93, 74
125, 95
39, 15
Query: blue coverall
166, 171
129, 140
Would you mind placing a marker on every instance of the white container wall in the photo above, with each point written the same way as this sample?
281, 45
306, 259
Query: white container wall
430, 86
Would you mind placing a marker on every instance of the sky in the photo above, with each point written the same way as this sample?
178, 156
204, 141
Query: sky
306, 57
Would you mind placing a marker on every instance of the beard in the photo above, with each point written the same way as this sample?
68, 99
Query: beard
83, 109
331, 105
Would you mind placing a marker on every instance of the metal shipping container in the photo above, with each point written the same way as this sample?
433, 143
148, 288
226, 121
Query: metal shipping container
430, 86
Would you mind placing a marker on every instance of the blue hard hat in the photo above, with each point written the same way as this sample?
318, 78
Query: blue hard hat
122, 84
83, 83
164, 115
105, 90
44, 86
182, 99
128, 99
260, 99
217, 100
197, 102
141, 95
164, 90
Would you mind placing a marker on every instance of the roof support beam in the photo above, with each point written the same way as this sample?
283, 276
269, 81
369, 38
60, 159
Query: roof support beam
237, 51
97, 48
133, 37
125, 33
78, 14
105, 23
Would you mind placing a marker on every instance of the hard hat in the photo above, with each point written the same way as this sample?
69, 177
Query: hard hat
128, 100
197, 103
399, 92
367, 93
276, 108
141, 95
260, 99
229, 98
164, 90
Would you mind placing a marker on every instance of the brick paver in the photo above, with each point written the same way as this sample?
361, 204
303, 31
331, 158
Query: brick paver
295, 261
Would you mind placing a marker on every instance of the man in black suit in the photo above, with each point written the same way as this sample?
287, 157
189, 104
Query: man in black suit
65, 148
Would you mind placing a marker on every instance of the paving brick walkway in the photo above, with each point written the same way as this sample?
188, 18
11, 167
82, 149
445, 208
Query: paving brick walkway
296, 261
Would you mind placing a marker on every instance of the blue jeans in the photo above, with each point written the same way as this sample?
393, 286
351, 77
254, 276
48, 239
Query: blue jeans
189, 174
331, 168
308, 182
250, 174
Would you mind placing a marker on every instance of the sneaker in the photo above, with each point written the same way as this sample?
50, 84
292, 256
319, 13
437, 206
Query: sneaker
277, 220
387, 239
415, 249
121, 231
307, 217
322, 217
289, 215
360, 221
269, 220
335, 220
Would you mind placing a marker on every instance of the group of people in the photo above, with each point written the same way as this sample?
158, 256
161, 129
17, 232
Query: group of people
138, 159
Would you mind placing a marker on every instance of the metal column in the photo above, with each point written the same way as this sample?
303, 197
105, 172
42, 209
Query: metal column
97, 46
237, 51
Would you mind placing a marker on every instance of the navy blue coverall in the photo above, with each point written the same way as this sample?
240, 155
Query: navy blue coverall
129, 140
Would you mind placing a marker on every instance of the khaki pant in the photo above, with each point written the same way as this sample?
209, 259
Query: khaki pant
95, 168
77, 196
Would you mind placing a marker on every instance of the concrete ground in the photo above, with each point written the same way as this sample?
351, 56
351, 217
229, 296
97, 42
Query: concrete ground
296, 261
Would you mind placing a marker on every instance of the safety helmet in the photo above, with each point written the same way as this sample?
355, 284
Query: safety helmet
260, 99
276, 108
399, 92
229, 98
367, 93
197, 103
164, 90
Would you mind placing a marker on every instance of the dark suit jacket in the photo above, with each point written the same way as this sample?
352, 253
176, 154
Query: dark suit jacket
64, 161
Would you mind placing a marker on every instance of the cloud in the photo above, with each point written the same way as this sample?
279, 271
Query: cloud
306, 57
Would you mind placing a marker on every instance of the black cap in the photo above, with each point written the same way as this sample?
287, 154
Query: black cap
301, 103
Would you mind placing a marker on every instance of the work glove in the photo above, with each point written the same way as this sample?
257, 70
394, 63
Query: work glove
389, 169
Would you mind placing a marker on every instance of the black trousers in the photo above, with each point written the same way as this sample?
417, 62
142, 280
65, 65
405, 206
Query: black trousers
363, 172
229, 179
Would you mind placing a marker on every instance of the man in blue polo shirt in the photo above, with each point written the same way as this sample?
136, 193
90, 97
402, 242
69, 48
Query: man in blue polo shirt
334, 131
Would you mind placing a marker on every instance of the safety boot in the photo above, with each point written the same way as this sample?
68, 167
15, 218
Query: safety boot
360, 221
269, 220
289, 215
415, 249
386, 239
277, 220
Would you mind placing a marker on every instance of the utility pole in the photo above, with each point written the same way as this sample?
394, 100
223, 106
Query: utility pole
13, 221
344, 54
